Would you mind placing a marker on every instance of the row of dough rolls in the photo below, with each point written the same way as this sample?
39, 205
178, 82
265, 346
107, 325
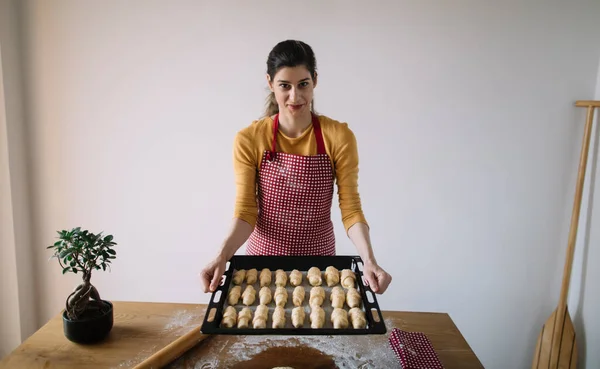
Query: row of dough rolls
331, 277
338, 296
340, 318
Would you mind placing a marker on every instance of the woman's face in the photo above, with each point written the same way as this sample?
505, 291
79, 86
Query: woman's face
293, 88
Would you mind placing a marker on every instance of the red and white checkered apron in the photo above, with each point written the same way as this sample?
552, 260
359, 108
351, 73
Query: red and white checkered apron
295, 194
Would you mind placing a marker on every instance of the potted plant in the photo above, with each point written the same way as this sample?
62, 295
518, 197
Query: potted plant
86, 318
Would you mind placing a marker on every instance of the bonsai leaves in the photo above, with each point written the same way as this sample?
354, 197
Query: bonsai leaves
83, 251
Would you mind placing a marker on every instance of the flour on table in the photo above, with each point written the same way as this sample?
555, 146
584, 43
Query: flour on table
186, 319
181, 322
347, 351
141, 356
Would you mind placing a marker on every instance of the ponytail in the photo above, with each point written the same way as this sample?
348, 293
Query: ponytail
271, 106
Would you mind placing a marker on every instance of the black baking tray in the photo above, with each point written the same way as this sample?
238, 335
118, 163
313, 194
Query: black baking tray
215, 309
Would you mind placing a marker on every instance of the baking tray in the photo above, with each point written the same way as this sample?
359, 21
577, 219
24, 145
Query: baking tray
218, 301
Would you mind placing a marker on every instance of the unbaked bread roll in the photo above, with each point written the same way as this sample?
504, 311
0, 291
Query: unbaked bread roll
337, 297
251, 276
298, 296
260, 317
357, 318
339, 318
265, 277
280, 296
317, 317
317, 296
244, 318
280, 278
234, 295
279, 317
353, 297
348, 278
265, 295
298, 316
229, 317
332, 276
238, 276
314, 276
249, 295
295, 277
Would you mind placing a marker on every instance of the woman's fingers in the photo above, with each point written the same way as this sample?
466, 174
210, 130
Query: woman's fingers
206, 279
377, 278
384, 281
371, 278
216, 278
211, 275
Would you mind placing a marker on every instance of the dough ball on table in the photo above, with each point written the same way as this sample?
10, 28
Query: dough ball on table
317, 317
348, 278
280, 278
353, 297
234, 295
357, 318
279, 317
337, 297
238, 276
339, 318
314, 276
298, 296
251, 276
280, 296
295, 278
298, 316
265, 295
229, 317
265, 277
260, 317
317, 296
332, 276
249, 295
244, 318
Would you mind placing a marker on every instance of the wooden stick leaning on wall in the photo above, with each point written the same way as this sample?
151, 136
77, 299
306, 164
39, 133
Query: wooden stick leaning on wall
556, 345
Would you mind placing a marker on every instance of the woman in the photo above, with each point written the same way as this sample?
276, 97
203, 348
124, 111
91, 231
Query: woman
285, 167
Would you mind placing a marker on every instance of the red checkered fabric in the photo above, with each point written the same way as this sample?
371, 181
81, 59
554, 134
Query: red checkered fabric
414, 350
295, 195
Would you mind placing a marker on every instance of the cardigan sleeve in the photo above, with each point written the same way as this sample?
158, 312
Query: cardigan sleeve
245, 169
345, 159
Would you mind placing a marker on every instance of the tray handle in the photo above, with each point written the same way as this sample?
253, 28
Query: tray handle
370, 307
218, 306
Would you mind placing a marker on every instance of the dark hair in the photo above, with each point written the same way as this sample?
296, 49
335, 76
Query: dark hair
289, 53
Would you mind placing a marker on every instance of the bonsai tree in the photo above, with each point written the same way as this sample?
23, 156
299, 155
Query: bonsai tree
81, 251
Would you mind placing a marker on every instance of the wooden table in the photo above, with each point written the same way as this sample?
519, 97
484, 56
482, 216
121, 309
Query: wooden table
141, 329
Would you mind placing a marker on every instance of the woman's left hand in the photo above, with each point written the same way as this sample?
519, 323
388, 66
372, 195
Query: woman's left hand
377, 278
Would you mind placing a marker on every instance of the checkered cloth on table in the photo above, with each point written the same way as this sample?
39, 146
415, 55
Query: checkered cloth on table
414, 350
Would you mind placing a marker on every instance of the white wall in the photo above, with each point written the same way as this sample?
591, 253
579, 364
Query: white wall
18, 315
133, 108
10, 317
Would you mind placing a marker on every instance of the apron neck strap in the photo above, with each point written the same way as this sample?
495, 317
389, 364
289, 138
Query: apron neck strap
318, 134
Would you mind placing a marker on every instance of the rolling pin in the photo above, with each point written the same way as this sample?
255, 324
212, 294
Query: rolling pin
173, 350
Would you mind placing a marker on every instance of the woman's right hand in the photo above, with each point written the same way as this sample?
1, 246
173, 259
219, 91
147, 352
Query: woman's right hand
212, 273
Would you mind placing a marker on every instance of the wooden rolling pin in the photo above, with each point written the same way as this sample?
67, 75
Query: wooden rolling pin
173, 350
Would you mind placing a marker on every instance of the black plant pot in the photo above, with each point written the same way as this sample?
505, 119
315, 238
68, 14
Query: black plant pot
92, 327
